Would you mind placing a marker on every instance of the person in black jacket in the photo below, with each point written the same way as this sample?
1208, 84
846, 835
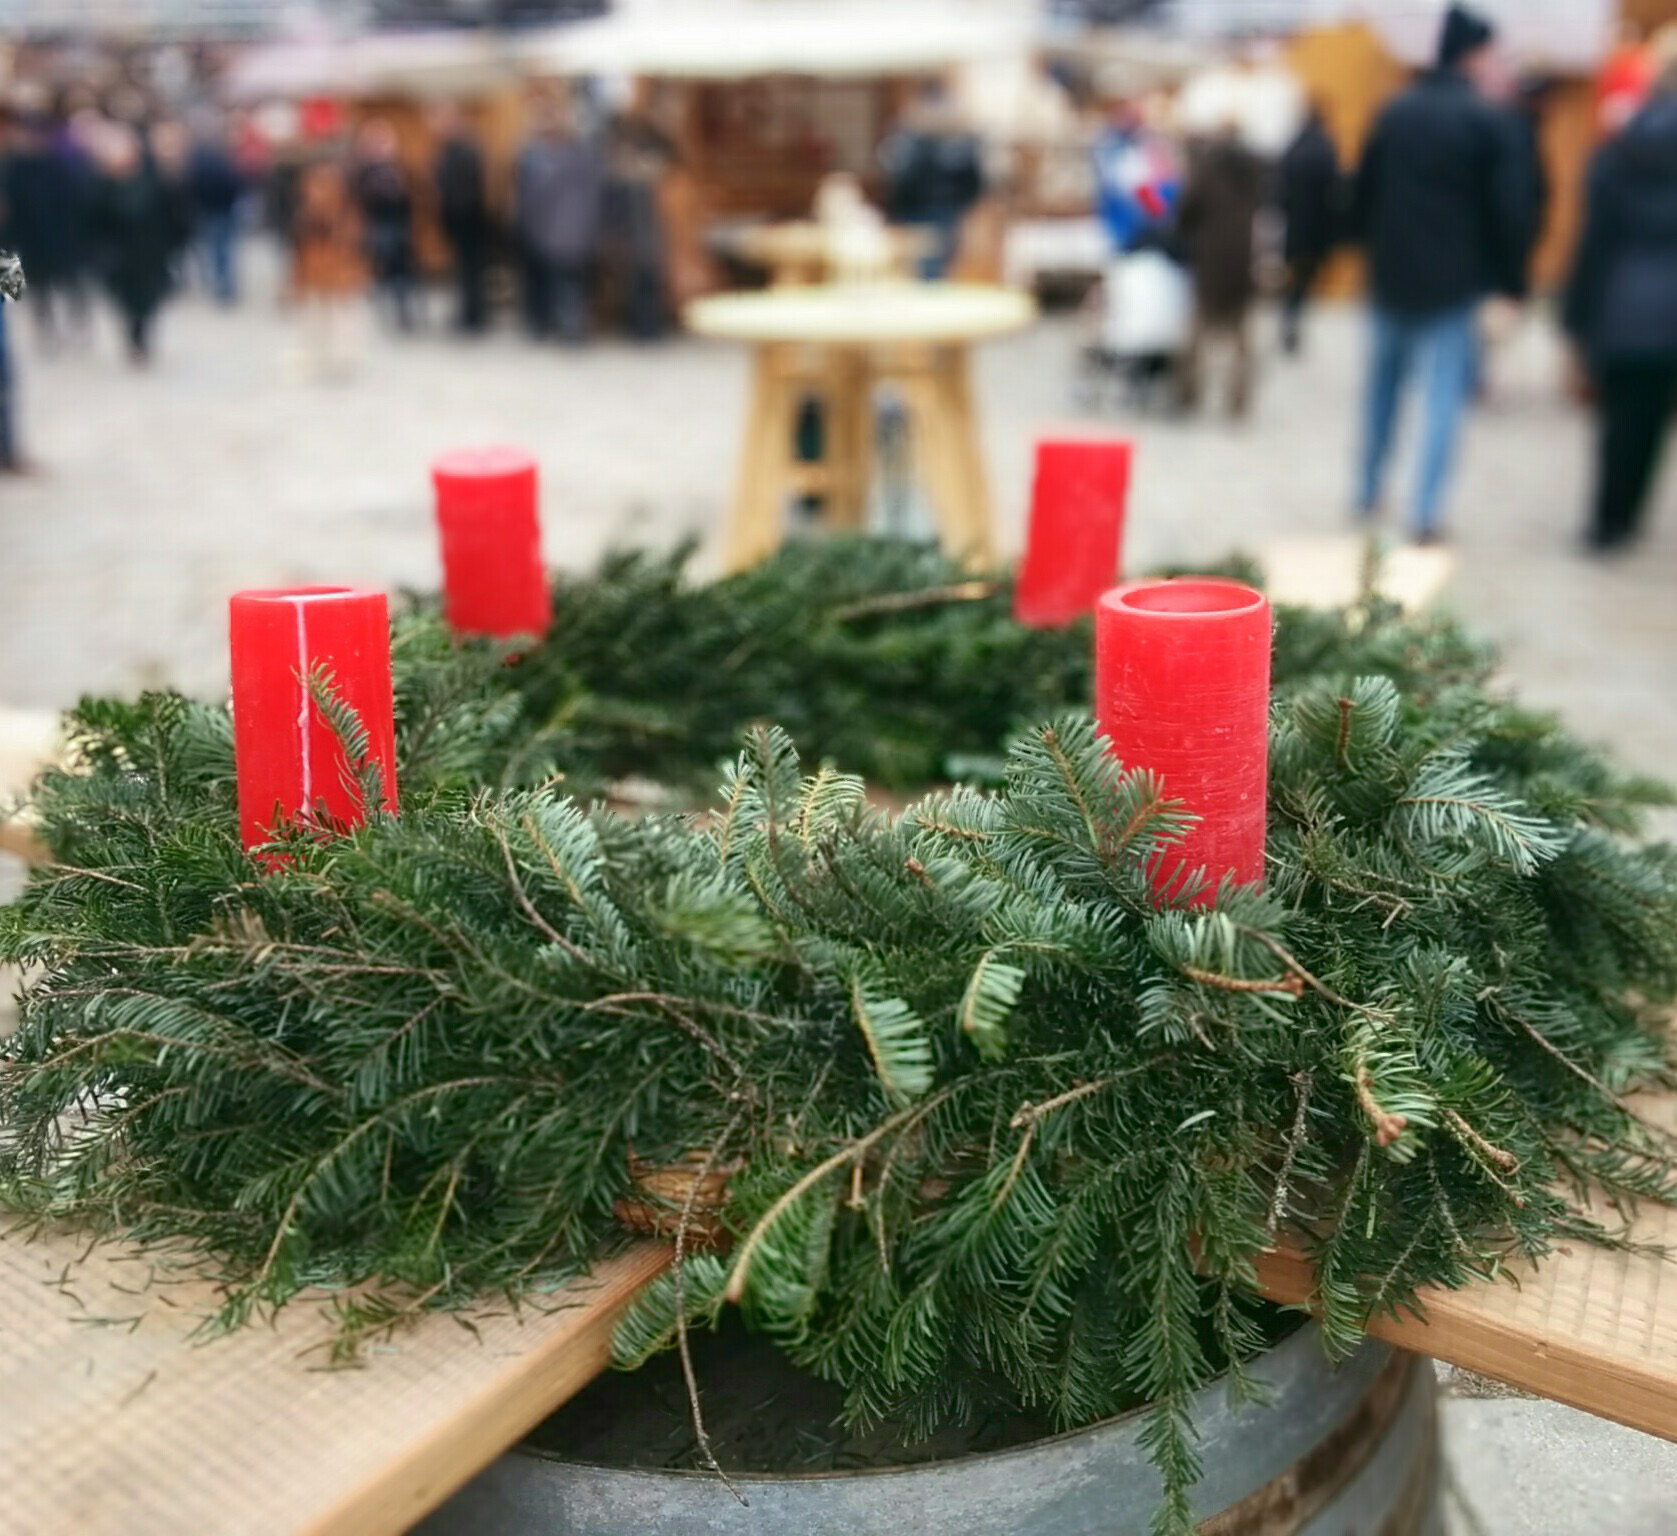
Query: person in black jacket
935, 174
463, 210
1440, 203
1620, 308
1311, 207
385, 196
137, 225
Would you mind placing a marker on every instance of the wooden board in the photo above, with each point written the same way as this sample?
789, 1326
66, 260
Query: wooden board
1592, 1327
1326, 571
116, 1424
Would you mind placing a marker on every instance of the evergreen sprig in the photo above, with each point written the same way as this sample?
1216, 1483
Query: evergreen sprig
880, 655
998, 1130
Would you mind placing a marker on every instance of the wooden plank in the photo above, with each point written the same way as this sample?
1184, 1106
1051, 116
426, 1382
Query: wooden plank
29, 742
117, 1424
1326, 571
1592, 1327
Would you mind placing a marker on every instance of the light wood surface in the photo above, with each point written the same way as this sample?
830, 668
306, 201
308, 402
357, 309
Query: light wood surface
117, 1424
863, 314
1326, 571
835, 344
1592, 1327
29, 741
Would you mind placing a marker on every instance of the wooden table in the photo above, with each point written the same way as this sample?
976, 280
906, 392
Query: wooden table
837, 343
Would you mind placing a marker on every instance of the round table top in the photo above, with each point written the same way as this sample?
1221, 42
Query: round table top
863, 314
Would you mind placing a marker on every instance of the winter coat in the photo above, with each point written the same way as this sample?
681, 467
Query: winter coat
327, 256
462, 203
136, 224
561, 186
46, 192
934, 177
213, 178
1216, 220
1440, 200
1621, 298
1523, 142
1310, 194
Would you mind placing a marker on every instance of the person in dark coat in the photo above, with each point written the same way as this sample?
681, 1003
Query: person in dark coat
463, 211
385, 197
560, 187
1522, 122
1215, 224
1311, 198
1620, 309
216, 187
934, 171
47, 182
638, 157
137, 225
1440, 204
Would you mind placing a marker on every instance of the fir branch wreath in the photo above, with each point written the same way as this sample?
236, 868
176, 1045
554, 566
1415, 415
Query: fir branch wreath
996, 1129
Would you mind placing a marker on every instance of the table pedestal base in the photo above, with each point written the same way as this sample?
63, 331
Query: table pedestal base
936, 389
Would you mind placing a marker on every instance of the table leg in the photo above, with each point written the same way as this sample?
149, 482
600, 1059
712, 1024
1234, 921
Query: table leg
849, 440
936, 448
977, 537
754, 523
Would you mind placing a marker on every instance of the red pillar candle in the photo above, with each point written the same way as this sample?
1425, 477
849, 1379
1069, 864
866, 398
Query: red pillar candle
1076, 535
494, 582
291, 763
1182, 689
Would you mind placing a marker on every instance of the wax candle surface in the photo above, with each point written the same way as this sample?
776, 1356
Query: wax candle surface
1076, 537
291, 764
494, 582
1182, 688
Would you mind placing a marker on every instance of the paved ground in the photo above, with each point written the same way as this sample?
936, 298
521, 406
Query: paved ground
159, 493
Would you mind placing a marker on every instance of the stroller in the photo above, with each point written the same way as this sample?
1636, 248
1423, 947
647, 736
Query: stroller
1137, 325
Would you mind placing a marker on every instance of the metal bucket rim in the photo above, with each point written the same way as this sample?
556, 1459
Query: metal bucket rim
1307, 1337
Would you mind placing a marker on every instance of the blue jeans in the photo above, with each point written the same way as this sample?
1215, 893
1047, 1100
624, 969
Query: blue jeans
8, 439
219, 232
1443, 347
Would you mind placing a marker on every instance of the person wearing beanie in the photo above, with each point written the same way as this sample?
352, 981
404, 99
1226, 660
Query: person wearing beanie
1440, 204
1619, 306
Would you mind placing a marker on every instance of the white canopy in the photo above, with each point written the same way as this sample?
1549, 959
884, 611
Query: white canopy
1565, 35
734, 39
377, 63
1571, 36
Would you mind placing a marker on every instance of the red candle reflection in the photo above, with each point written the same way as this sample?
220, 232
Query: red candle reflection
1182, 689
1076, 537
494, 582
291, 763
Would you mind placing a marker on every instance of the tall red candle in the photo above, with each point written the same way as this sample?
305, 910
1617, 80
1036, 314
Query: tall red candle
1076, 536
494, 582
291, 763
1182, 688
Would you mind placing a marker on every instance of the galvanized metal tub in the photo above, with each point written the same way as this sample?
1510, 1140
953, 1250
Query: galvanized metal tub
1335, 1452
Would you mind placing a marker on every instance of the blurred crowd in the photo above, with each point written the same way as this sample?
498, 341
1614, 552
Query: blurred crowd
1447, 202
108, 198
